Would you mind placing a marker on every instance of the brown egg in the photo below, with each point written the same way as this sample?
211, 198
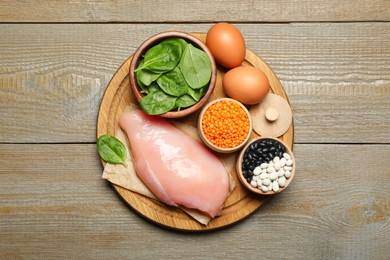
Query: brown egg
247, 84
227, 45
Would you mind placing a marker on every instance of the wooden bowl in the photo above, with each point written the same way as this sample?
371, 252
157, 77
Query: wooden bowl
155, 40
208, 142
240, 160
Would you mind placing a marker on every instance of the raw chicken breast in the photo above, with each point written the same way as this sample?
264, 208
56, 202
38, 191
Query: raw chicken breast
177, 169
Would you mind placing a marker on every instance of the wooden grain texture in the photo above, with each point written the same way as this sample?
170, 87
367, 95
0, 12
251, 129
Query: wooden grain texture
193, 11
52, 76
54, 205
56, 59
240, 204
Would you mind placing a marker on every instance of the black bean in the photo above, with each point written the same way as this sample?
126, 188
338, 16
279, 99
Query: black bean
265, 150
253, 146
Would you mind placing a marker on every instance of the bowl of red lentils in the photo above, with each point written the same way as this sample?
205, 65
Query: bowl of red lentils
225, 125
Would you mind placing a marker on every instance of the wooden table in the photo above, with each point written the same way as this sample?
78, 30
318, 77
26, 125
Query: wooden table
56, 59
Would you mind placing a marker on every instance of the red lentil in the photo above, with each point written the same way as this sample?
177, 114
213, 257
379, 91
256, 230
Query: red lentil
225, 124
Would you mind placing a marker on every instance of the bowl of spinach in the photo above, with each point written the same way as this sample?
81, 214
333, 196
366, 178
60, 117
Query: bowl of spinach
172, 74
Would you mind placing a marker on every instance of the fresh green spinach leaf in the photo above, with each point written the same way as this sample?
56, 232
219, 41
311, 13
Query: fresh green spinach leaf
146, 77
157, 103
164, 56
144, 88
185, 101
111, 149
173, 83
153, 87
196, 94
195, 66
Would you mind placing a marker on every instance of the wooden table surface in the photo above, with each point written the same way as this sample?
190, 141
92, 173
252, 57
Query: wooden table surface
56, 59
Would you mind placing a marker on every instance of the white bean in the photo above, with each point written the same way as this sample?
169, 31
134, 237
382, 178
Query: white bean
277, 166
263, 165
257, 171
259, 182
280, 173
282, 181
270, 169
289, 162
254, 184
273, 176
266, 182
287, 156
276, 159
287, 168
275, 186
263, 175
287, 174
264, 188
283, 162
255, 178
270, 187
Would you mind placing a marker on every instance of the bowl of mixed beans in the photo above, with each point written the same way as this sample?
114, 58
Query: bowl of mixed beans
225, 125
266, 165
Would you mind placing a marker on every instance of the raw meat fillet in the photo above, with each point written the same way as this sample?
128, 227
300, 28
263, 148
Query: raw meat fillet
177, 169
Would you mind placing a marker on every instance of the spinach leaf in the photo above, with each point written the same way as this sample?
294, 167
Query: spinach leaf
157, 103
173, 83
146, 77
153, 87
144, 88
111, 149
164, 56
196, 94
195, 67
185, 101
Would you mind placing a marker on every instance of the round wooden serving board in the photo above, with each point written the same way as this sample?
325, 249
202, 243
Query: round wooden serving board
240, 203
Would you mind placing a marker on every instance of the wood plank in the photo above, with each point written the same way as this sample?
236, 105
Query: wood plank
52, 76
193, 11
60, 208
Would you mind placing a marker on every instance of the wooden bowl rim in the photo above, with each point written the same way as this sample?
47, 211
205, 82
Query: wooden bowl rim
210, 144
148, 43
243, 180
